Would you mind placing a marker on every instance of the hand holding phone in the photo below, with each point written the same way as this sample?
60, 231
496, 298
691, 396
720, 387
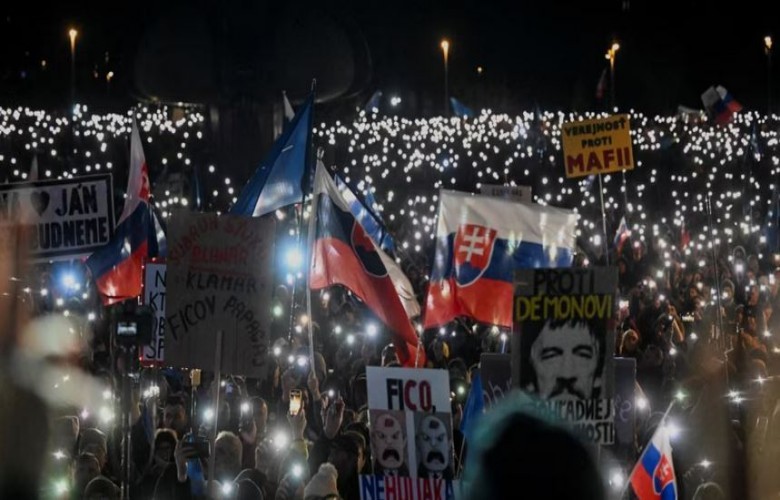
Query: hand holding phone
295, 401
189, 448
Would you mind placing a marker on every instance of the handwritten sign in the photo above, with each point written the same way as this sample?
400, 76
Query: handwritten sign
411, 435
597, 146
220, 276
561, 318
154, 296
65, 218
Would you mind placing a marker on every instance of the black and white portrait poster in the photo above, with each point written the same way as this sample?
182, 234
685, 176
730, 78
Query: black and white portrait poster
562, 328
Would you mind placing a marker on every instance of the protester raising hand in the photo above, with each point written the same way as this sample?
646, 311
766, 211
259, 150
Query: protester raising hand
290, 488
298, 423
314, 386
289, 380
184, 451
247, 431
333, 418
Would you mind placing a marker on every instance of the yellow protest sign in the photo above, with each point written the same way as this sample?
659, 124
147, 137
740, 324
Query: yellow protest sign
597, 146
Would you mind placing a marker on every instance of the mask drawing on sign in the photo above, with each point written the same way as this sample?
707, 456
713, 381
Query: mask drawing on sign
566, 361
388, 444
433, 448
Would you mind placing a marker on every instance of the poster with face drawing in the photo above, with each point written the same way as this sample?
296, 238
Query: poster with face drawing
410, 424
565, 357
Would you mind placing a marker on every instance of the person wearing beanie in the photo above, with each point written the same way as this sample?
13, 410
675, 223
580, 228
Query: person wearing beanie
101, 488
554, 462
322, 485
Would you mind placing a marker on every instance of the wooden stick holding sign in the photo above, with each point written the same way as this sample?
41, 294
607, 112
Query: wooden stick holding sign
596, 147
217, 382
604, 220
310, 254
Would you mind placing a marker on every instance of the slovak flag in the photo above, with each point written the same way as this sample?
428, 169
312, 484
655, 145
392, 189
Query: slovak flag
343, 254
480, 241
653, 475
117, 266
621, 235
720, 105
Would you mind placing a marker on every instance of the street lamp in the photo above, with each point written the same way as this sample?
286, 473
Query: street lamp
445, 48
73, 33
768, 52
611, 56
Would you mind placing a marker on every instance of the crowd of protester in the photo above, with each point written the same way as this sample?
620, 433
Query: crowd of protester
699, 320
715, 357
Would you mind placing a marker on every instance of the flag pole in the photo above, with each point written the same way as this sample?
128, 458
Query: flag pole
299, 224
217, 382
722, 334
604, 220
310, 254
310, 233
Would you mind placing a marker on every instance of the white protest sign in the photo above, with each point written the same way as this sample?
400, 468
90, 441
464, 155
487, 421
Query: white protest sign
411, 435
154, 296
66, 218
220, 276
514, 193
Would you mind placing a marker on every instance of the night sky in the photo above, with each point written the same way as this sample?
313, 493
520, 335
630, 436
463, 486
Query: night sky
545, 53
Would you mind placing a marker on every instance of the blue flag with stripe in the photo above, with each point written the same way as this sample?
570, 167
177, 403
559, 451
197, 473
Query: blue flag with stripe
366, 215
279, 180
372, 106
461, 109
475, 407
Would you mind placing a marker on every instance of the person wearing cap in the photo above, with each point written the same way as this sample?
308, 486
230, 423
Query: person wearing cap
323, 485
94, 441
554, 463
101, 488
85, 468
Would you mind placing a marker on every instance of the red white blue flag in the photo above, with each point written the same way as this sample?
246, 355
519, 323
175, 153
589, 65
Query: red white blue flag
344, 254
653, 475
622, 234
720, 104
117, 268
481, 240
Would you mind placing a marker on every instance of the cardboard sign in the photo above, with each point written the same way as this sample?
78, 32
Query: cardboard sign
66, 218
411, 435
515, 193
597, 146
220, 275
154, 296
564, 357
496, 370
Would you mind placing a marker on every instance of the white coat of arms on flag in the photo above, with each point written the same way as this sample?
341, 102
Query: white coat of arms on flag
473, 247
